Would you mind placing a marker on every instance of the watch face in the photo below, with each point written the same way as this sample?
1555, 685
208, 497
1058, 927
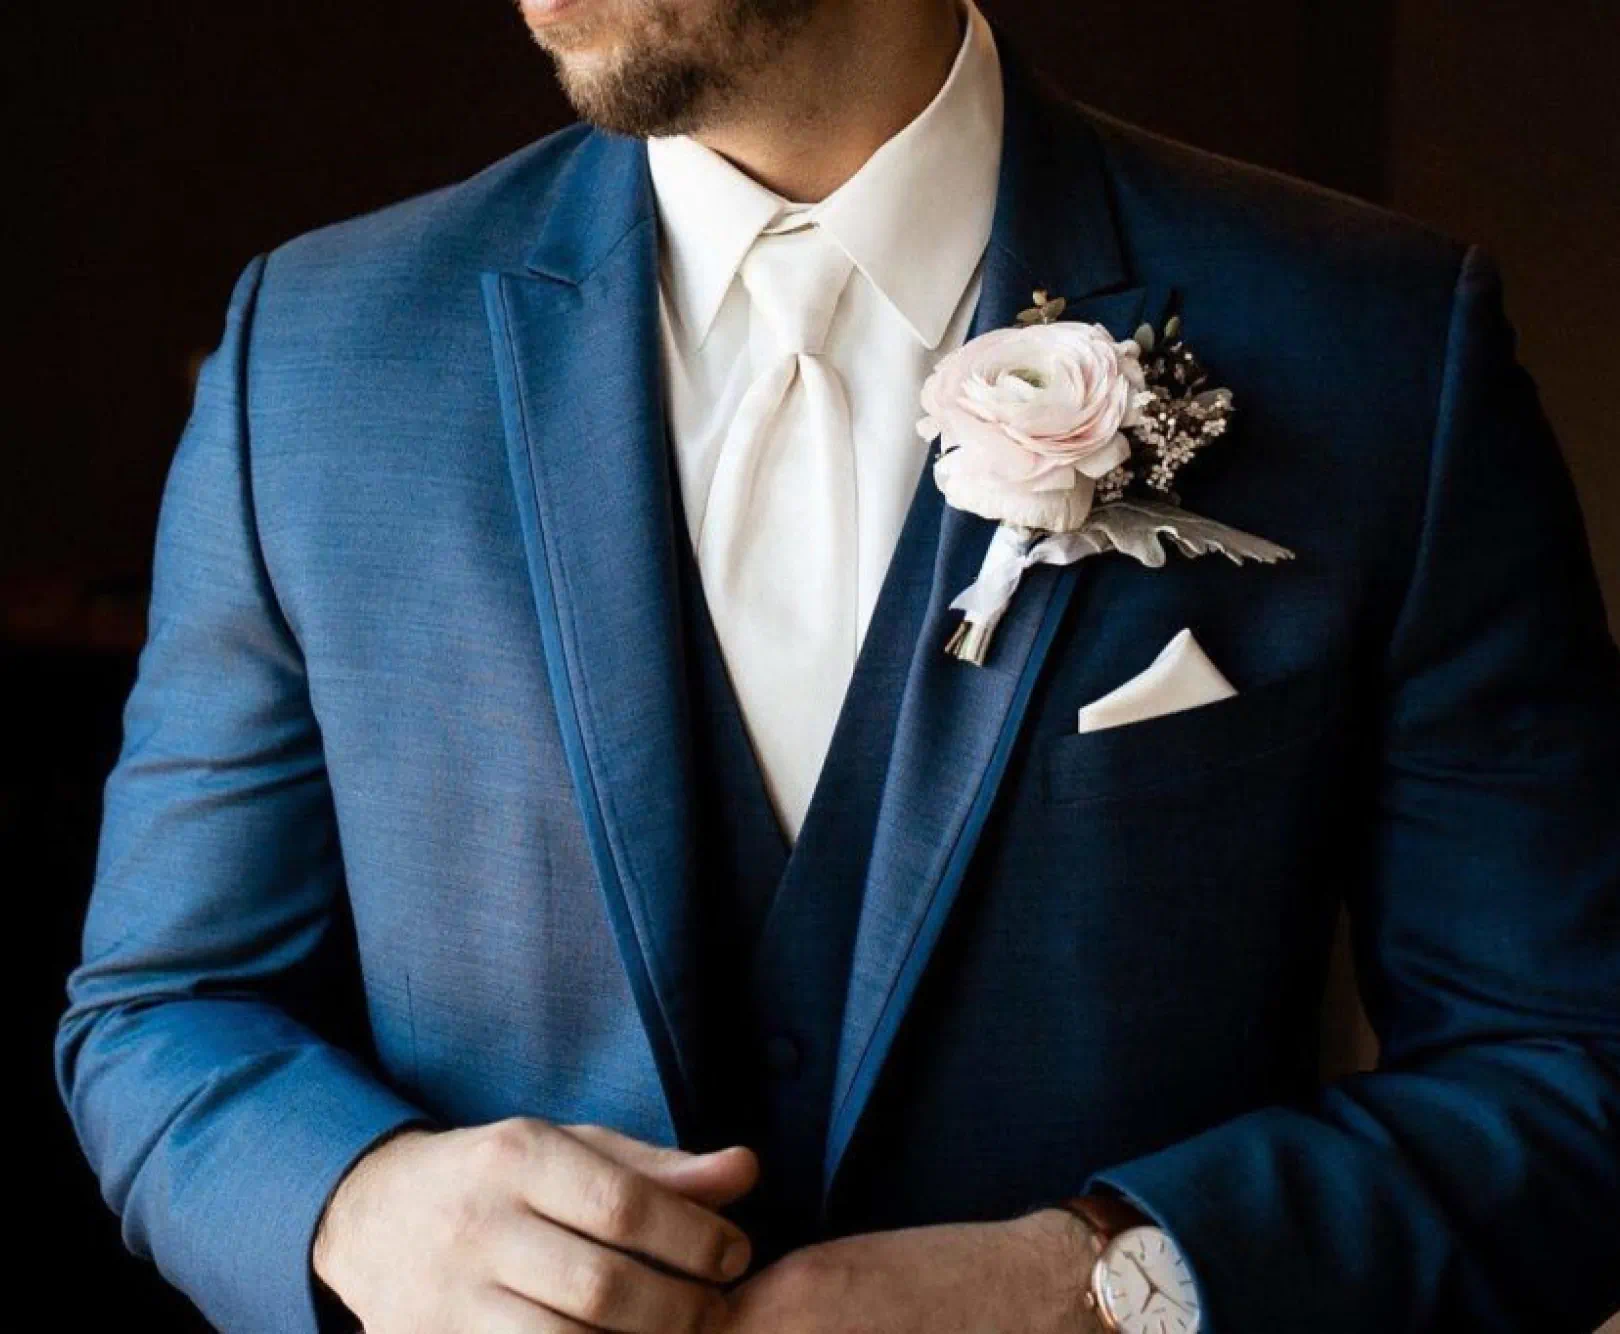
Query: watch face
1144, 1284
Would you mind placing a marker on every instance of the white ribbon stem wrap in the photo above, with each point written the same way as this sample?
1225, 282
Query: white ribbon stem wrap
1012, 550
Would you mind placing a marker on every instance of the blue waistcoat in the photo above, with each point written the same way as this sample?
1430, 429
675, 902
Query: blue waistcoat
779, 925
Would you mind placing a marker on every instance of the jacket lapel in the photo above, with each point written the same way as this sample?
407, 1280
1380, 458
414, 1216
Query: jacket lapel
576, 350
1053, 229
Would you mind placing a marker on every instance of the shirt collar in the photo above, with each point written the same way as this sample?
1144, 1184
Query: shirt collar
914, 219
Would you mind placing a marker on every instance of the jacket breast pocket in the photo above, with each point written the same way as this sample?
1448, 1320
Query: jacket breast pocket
1163, 753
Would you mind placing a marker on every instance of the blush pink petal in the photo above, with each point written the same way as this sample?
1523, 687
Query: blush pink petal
989, 496
1027, 418
1105, 460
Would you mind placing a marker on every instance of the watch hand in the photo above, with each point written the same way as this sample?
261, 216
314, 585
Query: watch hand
1173, 1302
1154, 1288
1146, 1278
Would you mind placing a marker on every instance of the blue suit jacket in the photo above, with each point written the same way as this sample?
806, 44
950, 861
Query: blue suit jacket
398, 828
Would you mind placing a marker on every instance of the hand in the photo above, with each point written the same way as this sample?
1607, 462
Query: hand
524, 1227
1022, 1276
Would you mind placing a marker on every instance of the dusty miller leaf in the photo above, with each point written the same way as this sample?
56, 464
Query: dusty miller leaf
1135, 528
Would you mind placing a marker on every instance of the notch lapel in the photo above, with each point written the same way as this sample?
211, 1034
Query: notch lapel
576, 350
1053, 229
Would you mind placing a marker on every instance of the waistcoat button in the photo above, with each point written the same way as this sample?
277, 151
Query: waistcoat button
781, 1055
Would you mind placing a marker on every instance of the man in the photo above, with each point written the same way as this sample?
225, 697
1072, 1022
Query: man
555, 878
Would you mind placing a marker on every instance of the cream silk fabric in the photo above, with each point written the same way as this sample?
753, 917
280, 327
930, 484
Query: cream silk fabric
777, 544
913, 223
1181, 677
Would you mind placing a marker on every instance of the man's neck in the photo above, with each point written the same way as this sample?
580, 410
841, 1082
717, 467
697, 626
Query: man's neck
854, 77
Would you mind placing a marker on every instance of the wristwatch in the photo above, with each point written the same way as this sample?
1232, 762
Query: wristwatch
1140, 1282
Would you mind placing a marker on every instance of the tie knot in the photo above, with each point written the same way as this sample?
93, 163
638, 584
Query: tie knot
794, 280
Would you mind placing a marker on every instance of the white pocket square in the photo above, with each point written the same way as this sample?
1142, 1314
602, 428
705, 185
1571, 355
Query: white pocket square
1181, 677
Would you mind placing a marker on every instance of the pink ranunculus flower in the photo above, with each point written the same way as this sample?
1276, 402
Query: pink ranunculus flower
1029, 418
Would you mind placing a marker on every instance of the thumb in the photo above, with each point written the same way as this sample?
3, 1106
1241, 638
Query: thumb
711, 1179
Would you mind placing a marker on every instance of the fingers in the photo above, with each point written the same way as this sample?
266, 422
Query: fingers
627, 1149
602, 1288
568, 1181
712, 1179
506, 1312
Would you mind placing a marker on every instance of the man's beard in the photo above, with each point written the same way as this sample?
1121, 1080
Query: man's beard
664, 77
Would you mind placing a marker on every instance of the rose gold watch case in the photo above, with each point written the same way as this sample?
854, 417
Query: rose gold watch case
1098, 1306
1096, 1298
1106, 1217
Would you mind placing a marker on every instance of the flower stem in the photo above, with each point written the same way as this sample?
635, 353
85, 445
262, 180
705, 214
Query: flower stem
969, 642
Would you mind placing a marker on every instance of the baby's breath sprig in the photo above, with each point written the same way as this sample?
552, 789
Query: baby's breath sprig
1178, 416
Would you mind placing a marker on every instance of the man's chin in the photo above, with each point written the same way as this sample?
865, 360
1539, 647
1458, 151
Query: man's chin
542, 12
561, 21
586, 33
639, 102
659, 67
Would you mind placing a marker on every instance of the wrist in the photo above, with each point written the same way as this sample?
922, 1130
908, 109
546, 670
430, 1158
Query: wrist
353, 1200
1063, 1241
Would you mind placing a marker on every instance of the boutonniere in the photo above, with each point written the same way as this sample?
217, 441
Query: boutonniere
1071, 442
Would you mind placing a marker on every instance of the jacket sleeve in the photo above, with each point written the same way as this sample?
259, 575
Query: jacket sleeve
204, 1056
1472, 1181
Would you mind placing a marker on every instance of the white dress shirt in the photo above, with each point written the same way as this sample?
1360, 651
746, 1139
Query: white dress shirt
915, 220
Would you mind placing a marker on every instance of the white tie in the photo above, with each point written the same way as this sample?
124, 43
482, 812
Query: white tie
777, 543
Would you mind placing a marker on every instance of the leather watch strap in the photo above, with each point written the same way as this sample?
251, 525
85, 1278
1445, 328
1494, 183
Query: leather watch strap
1106, 1215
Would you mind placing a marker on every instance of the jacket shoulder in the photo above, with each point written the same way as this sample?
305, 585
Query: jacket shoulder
483, 221
1242, 213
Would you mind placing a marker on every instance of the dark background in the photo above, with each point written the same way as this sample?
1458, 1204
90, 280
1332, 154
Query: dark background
163, 144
